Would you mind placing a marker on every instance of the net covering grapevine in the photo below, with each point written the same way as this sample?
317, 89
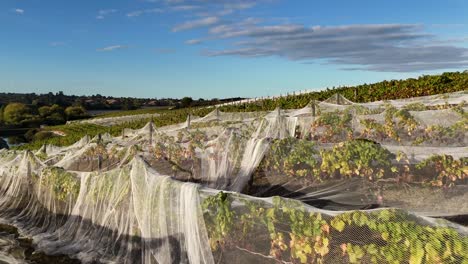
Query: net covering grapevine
334, 182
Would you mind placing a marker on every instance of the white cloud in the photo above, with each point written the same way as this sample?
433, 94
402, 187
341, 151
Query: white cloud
203, 22
105, 12
185, 7
375, 47
240, 5
19, 11
112, 48
146, 11
193, 41
230, 8
135, 13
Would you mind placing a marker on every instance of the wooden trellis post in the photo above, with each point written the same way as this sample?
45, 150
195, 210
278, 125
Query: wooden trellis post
313, 108
99, 162
28, 172
188, 121
314, 113
151, 132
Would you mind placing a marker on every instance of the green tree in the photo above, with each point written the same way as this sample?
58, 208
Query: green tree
56, 119
45, 111
57, 109
14, 113
186, 101
52, 115
74, 112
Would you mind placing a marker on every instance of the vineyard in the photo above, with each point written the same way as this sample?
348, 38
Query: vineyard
113, 123
331, 182
387, 90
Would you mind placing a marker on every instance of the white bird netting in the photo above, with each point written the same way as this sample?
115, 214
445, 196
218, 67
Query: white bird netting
334, 182
110, 121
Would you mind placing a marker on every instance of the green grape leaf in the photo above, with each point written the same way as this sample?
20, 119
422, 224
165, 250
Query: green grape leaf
338, 224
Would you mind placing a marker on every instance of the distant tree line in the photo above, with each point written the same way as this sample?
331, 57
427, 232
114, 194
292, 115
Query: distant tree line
99, 102
32, 110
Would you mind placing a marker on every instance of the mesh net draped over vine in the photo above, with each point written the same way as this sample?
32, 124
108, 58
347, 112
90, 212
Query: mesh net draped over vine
334, 182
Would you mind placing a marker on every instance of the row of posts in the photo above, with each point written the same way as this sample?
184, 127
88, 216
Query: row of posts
255, 99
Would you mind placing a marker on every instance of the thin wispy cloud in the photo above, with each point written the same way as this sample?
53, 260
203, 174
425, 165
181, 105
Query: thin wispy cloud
240, 5
105, 12
193, 41
230, 8
233, 27
145, 11
112, 48
185, 7
19, 11
203, 22
207, 8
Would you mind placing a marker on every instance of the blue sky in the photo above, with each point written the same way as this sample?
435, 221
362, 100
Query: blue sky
224, 48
